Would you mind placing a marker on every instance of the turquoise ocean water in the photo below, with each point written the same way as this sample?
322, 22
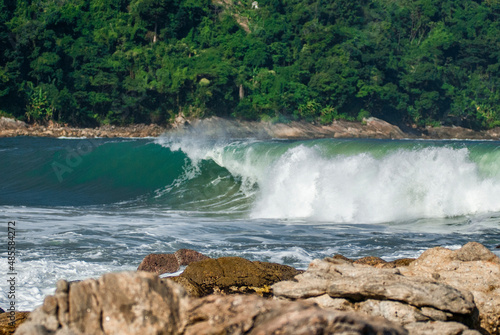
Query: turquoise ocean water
84, 207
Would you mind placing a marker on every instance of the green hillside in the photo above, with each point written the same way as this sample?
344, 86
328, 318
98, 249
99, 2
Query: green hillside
413, 62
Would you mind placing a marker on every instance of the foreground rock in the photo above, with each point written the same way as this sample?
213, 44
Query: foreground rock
428, 296
6, 326
474, 269
169, 263
139, 303
228, 275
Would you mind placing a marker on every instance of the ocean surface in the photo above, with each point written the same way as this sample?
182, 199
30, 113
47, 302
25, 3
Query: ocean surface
84, 207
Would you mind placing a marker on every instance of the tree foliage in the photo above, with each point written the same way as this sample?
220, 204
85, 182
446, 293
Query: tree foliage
89, 62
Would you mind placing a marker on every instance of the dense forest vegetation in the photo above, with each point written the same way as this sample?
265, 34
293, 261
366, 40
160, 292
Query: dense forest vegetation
90, 62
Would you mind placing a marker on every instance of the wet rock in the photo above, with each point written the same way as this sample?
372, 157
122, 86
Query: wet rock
116, 303
159, 263
188, 256
168, 263
472, 268
233, 275
9, 325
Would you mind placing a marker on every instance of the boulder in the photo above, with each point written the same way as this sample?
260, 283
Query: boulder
159, 263
232, 275
6, 326
340, 284
439, 328
251, 314
472, 268
168, 263
116, 303
138, 303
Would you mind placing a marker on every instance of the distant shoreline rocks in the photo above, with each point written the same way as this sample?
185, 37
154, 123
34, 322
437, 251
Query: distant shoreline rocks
442, 292
216, 127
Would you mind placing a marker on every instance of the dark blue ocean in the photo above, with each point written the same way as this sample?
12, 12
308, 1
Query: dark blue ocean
84, 207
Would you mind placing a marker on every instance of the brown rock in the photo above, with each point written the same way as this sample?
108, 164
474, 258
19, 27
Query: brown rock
402, 262
7, 325
188, 256
238, 314
370, 260
168, 263
137, 303
159, 263
116, 303
234, 275
474, 269
439, 328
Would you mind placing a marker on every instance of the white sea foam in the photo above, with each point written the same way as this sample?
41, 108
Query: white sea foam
432, 182
37, 278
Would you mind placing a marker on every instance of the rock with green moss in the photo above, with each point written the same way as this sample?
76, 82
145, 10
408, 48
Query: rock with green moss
229, 275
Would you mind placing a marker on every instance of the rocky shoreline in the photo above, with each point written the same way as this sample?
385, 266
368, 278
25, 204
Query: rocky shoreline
442, 292
219, 127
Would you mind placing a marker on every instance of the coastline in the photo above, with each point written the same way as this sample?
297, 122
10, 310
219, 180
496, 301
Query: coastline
215, 127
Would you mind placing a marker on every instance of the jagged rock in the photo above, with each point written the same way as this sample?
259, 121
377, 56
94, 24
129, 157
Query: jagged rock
6, 327
439, 328
253, 315
232, 275
340, 284
359, 282
168, 263
159, 263
472, 268
116, 303
415, 292
138, 303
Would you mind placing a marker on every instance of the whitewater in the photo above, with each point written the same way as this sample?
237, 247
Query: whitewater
84, 207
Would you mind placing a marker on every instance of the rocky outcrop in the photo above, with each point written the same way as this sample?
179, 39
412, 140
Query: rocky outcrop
216, 127
169, 263
228, 275
229, 128
10, 322
474, 269
11, 128
438, 290
139, 303
116, 303
253, 315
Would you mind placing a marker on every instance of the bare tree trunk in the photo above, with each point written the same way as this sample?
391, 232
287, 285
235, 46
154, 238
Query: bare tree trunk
242, 92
